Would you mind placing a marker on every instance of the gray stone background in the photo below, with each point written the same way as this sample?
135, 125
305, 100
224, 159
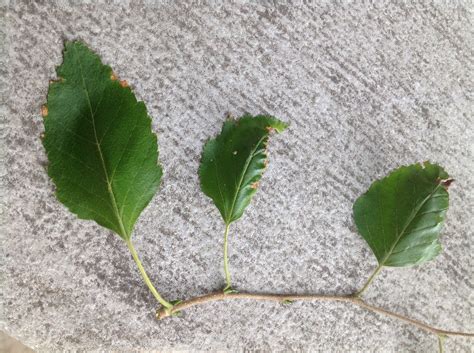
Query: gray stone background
366, 87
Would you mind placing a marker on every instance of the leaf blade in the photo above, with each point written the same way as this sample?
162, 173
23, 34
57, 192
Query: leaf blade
103, 155
232, 164
401, 215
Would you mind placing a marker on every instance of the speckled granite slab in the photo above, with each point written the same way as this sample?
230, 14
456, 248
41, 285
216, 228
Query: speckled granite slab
366, 88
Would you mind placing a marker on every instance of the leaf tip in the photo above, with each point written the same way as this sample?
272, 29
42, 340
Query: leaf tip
276, 126
446, 182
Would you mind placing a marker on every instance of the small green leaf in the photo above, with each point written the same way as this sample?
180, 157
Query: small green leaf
101, 150
177, 314
401, 215
230, 291
287, 301
232, 164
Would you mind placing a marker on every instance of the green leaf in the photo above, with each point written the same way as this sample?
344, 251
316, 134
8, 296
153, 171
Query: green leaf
232, 164
401, 215
230, 291
101, 150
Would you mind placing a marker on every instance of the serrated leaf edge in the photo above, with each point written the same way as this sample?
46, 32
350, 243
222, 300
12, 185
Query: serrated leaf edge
44, 112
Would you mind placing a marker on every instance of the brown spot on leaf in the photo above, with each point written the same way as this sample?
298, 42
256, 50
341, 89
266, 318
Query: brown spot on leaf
447, 182
42, 136
59, 79
123, 83
269, 129
44, 111
113, 77
254, 185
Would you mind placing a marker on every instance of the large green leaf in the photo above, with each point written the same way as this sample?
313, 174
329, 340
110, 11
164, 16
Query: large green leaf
401, 215
232, 164
101, 150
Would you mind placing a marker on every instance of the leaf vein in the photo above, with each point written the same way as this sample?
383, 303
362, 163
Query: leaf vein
109, 186
245, 170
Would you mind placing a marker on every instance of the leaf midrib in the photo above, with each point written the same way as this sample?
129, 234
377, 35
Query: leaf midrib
109, 184
246, 167
382, 263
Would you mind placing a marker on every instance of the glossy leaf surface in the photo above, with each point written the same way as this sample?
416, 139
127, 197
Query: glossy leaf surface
232, 164
401, 215
102, 152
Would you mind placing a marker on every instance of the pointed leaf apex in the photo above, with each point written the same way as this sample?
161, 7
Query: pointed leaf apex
447, 182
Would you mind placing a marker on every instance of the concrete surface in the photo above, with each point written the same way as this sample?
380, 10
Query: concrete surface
365, 87
10, 345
